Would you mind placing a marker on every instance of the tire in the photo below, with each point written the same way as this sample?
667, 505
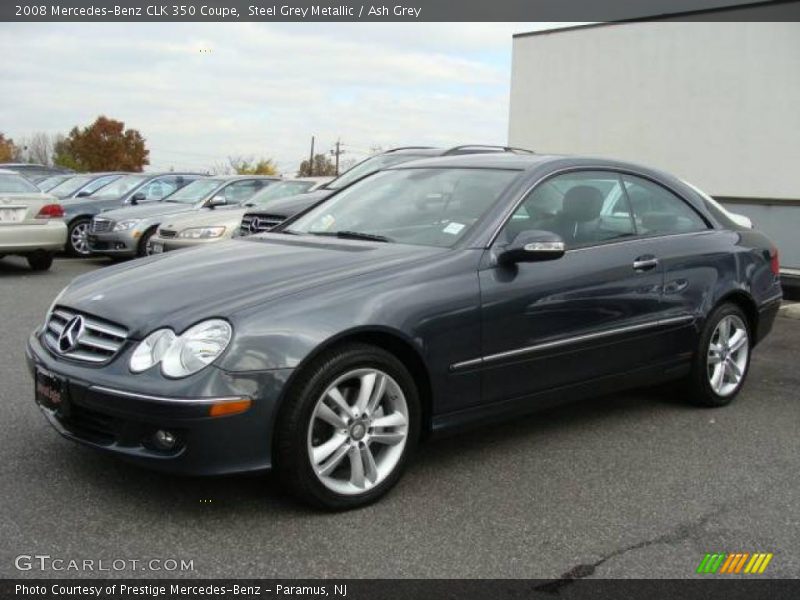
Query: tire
718, 371
143, 249
77, 246
40, 261
303, 435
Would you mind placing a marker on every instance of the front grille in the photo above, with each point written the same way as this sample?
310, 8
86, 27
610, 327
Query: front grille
259, 223
101, 225
93, 340
167, 233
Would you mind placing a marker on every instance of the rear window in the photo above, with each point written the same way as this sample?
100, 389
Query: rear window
16, 184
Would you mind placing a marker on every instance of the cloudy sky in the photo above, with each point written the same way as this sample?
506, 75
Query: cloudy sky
261, 89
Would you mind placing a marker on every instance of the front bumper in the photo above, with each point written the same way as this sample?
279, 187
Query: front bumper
23, 239
178, 243
115, 243
102, 412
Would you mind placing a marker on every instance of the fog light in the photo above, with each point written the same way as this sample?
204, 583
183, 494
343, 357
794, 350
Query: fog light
164, 440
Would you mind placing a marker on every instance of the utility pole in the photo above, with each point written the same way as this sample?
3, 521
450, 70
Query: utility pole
311, 159
336, 153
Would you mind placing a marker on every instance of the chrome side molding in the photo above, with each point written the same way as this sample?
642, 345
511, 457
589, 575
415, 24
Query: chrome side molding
474, 362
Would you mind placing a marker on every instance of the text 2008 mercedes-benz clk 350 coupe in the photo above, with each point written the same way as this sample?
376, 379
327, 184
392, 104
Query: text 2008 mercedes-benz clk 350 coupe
426, 296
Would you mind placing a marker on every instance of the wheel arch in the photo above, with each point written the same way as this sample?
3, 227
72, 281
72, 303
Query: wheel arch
745, 301
80, 217
390, 340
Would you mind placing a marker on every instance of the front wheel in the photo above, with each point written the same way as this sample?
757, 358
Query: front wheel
145, 247
348, 428
77, 238
722, 360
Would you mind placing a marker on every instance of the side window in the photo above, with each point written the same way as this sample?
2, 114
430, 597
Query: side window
159, 188
584, 208
657, 210
240, 191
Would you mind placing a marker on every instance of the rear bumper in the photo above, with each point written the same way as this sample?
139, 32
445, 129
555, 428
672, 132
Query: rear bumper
24, 239
766, 316
124, 421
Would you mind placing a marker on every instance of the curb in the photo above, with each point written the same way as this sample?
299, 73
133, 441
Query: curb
790, 310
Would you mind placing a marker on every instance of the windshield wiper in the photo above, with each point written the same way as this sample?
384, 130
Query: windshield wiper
354, 235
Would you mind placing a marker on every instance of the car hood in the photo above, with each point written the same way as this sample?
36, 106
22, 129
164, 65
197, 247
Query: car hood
144, 211
227, 217
177, 289
291, 205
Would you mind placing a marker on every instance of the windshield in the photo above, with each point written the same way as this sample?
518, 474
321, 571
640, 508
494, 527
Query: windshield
195, 191
51, 182
366, 167
282, 189
120, 187
95, 185
426, 206
71, 185
16, 184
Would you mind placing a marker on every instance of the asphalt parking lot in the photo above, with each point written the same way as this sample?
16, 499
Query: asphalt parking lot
640, 485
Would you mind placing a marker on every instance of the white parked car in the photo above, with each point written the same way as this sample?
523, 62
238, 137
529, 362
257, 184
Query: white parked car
31, 222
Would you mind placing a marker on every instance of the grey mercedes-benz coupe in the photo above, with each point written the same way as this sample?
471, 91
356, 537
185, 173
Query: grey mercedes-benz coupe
427, 296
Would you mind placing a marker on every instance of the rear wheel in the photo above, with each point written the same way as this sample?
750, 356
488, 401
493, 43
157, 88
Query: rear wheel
722, 360
348, 429
77, 237
40, 261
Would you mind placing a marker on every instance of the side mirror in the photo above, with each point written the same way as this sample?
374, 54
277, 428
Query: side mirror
218, 200
138, 197
82, 194
533, 246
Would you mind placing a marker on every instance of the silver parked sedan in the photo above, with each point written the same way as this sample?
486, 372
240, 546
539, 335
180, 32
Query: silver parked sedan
198, 228
31, 222
127, 232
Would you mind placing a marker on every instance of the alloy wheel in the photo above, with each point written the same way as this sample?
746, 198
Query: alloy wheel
78, 238
727, 355
358, 431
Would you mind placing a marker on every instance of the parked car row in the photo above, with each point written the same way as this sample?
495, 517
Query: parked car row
422, 291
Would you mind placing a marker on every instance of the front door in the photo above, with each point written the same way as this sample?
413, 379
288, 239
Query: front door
585, 315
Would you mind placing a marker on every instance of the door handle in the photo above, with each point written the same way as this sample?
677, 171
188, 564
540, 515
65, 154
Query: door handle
645, 263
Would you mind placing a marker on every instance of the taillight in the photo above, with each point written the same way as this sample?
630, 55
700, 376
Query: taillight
774, 262
51, 211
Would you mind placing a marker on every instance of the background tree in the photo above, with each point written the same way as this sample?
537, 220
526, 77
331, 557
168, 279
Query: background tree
323, 167
37, 148
250, 166
105, 145
8, 151
62, 155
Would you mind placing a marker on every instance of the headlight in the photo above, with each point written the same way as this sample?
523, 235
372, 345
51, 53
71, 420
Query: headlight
202, 232
151, 350
126, 224
185, 354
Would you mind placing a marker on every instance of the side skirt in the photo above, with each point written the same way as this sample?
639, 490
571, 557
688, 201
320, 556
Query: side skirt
506, 409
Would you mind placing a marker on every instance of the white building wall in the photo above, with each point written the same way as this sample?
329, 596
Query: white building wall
715, 103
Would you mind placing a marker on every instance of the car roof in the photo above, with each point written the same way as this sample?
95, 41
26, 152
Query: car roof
522, 162
235, 177
4, 171
494, 160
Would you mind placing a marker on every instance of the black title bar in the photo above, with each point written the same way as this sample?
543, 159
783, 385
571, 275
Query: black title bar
396, 10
